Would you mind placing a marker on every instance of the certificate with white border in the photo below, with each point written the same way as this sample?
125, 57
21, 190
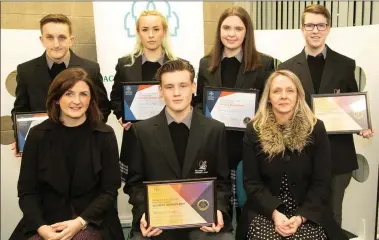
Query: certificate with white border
342, 112
234, 107
140, 101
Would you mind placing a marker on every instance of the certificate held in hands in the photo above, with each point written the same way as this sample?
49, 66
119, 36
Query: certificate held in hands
140, 101
180, 204
234, 107
342, 112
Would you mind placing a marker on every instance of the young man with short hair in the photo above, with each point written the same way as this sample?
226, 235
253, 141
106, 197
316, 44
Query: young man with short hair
174, 145
35, 76
322, 70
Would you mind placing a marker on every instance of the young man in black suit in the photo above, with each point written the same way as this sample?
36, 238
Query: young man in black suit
35, 76
171, 146
322, 70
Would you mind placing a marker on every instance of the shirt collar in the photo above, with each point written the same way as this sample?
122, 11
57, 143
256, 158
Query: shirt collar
187, 120
50, 61
323, 53
160, 60
238, 56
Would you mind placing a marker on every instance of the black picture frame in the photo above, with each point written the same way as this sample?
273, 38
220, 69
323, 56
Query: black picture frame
337, 95
124, 85
22, 132
236, 90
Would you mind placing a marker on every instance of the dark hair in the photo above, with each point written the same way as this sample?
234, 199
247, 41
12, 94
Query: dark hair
251, 56
173, 66
55, 18
61, 84
316, 9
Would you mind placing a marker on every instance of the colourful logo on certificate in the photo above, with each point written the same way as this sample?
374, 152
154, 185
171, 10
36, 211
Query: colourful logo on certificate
359, 115
203, 205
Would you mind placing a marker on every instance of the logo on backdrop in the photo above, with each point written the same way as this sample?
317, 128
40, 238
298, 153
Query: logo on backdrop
163, 7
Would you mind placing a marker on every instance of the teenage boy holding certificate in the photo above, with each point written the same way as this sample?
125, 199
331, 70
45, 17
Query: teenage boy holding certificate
178, 143
322, 70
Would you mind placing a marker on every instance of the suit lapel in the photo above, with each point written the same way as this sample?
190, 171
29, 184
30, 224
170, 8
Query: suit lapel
241, 77
195, 140
163, 138
327, 75
75, 61
134, 72
54, 162
217, 77
305, 77
41, 73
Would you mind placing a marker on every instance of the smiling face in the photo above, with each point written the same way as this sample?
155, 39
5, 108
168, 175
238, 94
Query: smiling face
57, 40
151, 32
74, 103
315, 39
232, 32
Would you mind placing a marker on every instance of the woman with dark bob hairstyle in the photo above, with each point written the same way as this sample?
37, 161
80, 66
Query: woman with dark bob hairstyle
70, 170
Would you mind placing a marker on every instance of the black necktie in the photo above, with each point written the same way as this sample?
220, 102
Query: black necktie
179, 135
316, 67
56, 69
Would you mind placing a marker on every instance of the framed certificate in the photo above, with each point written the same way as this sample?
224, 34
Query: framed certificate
234, 107
23, 123
140, 101
181, 204
342, 112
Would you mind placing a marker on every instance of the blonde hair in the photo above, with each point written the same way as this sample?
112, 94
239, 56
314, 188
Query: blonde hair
301, 106
138, 47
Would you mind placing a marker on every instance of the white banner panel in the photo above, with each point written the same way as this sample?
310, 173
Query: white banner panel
115, 31
12, 54
361, 44
115, 37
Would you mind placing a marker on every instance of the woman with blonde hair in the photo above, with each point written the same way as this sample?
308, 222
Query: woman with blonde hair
151, 50
287, 168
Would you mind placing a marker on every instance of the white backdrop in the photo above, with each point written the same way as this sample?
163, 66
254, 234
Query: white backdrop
12, 55
359, 43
